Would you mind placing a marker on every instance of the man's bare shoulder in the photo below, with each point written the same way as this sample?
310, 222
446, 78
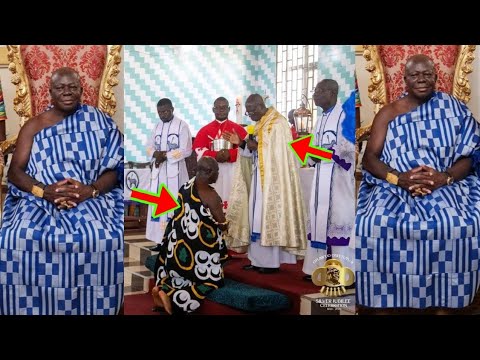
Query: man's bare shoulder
390, 111
32, 125
37, 123
209, 196
213, 193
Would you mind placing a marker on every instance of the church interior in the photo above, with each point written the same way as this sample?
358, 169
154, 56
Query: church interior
127, 82
193, 77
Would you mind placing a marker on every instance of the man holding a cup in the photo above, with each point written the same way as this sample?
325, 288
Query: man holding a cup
209, 142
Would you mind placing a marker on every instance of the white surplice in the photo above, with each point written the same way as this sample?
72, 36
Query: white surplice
332, 200
175, 138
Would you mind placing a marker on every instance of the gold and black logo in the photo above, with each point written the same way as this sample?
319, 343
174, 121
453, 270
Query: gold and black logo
333, 277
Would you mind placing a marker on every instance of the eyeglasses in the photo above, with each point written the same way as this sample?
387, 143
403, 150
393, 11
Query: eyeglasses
249, 113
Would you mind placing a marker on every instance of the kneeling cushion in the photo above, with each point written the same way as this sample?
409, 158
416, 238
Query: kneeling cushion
242, 296
249, 298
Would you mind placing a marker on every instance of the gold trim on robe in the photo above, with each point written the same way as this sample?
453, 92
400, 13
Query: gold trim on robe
284, 213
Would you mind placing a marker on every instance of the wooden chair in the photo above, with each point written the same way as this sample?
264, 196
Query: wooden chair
32, 65
386, 64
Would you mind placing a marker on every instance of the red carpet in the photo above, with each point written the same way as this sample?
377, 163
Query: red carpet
287, 281
142, 305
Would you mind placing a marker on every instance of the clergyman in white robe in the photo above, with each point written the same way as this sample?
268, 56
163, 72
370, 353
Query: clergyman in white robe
332, 200
175, 138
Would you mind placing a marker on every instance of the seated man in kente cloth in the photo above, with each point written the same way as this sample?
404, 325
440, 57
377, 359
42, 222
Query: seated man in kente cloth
418, 214
190, 262
61, 242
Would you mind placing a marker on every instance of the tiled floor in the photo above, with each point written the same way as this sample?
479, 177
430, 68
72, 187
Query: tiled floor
137, 276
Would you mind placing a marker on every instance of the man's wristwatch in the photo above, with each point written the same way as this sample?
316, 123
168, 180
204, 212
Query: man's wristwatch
96, 192
450, 179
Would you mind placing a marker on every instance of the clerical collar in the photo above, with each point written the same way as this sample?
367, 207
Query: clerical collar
221, 122
328, 110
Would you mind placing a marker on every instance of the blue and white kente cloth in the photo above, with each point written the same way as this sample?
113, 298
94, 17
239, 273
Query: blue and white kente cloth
421, 251
66, 261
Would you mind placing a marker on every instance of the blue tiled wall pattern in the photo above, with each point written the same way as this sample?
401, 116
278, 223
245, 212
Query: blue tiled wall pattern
192, 76
337, 62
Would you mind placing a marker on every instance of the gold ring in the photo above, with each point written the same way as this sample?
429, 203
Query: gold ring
64, 203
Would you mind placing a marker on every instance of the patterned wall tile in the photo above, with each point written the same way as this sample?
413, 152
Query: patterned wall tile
192, 76
265, 70
337, 62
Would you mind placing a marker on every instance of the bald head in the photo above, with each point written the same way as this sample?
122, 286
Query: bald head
255, 107
420, 77
220, 99
64, 71
65, 90
326, 93
330, 85
419, 59
221, 108
255, 99
207, 169
206, 164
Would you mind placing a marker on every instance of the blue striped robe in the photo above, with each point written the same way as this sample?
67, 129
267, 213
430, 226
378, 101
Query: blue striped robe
66, 261
419, 252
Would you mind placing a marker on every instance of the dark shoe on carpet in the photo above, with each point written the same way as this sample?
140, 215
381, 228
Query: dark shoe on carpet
249, 267
264, 270
156, 248
307, 278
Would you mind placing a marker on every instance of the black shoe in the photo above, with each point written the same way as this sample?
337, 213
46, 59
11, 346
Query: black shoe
249, 267
264, 270
156, 248
307, 278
